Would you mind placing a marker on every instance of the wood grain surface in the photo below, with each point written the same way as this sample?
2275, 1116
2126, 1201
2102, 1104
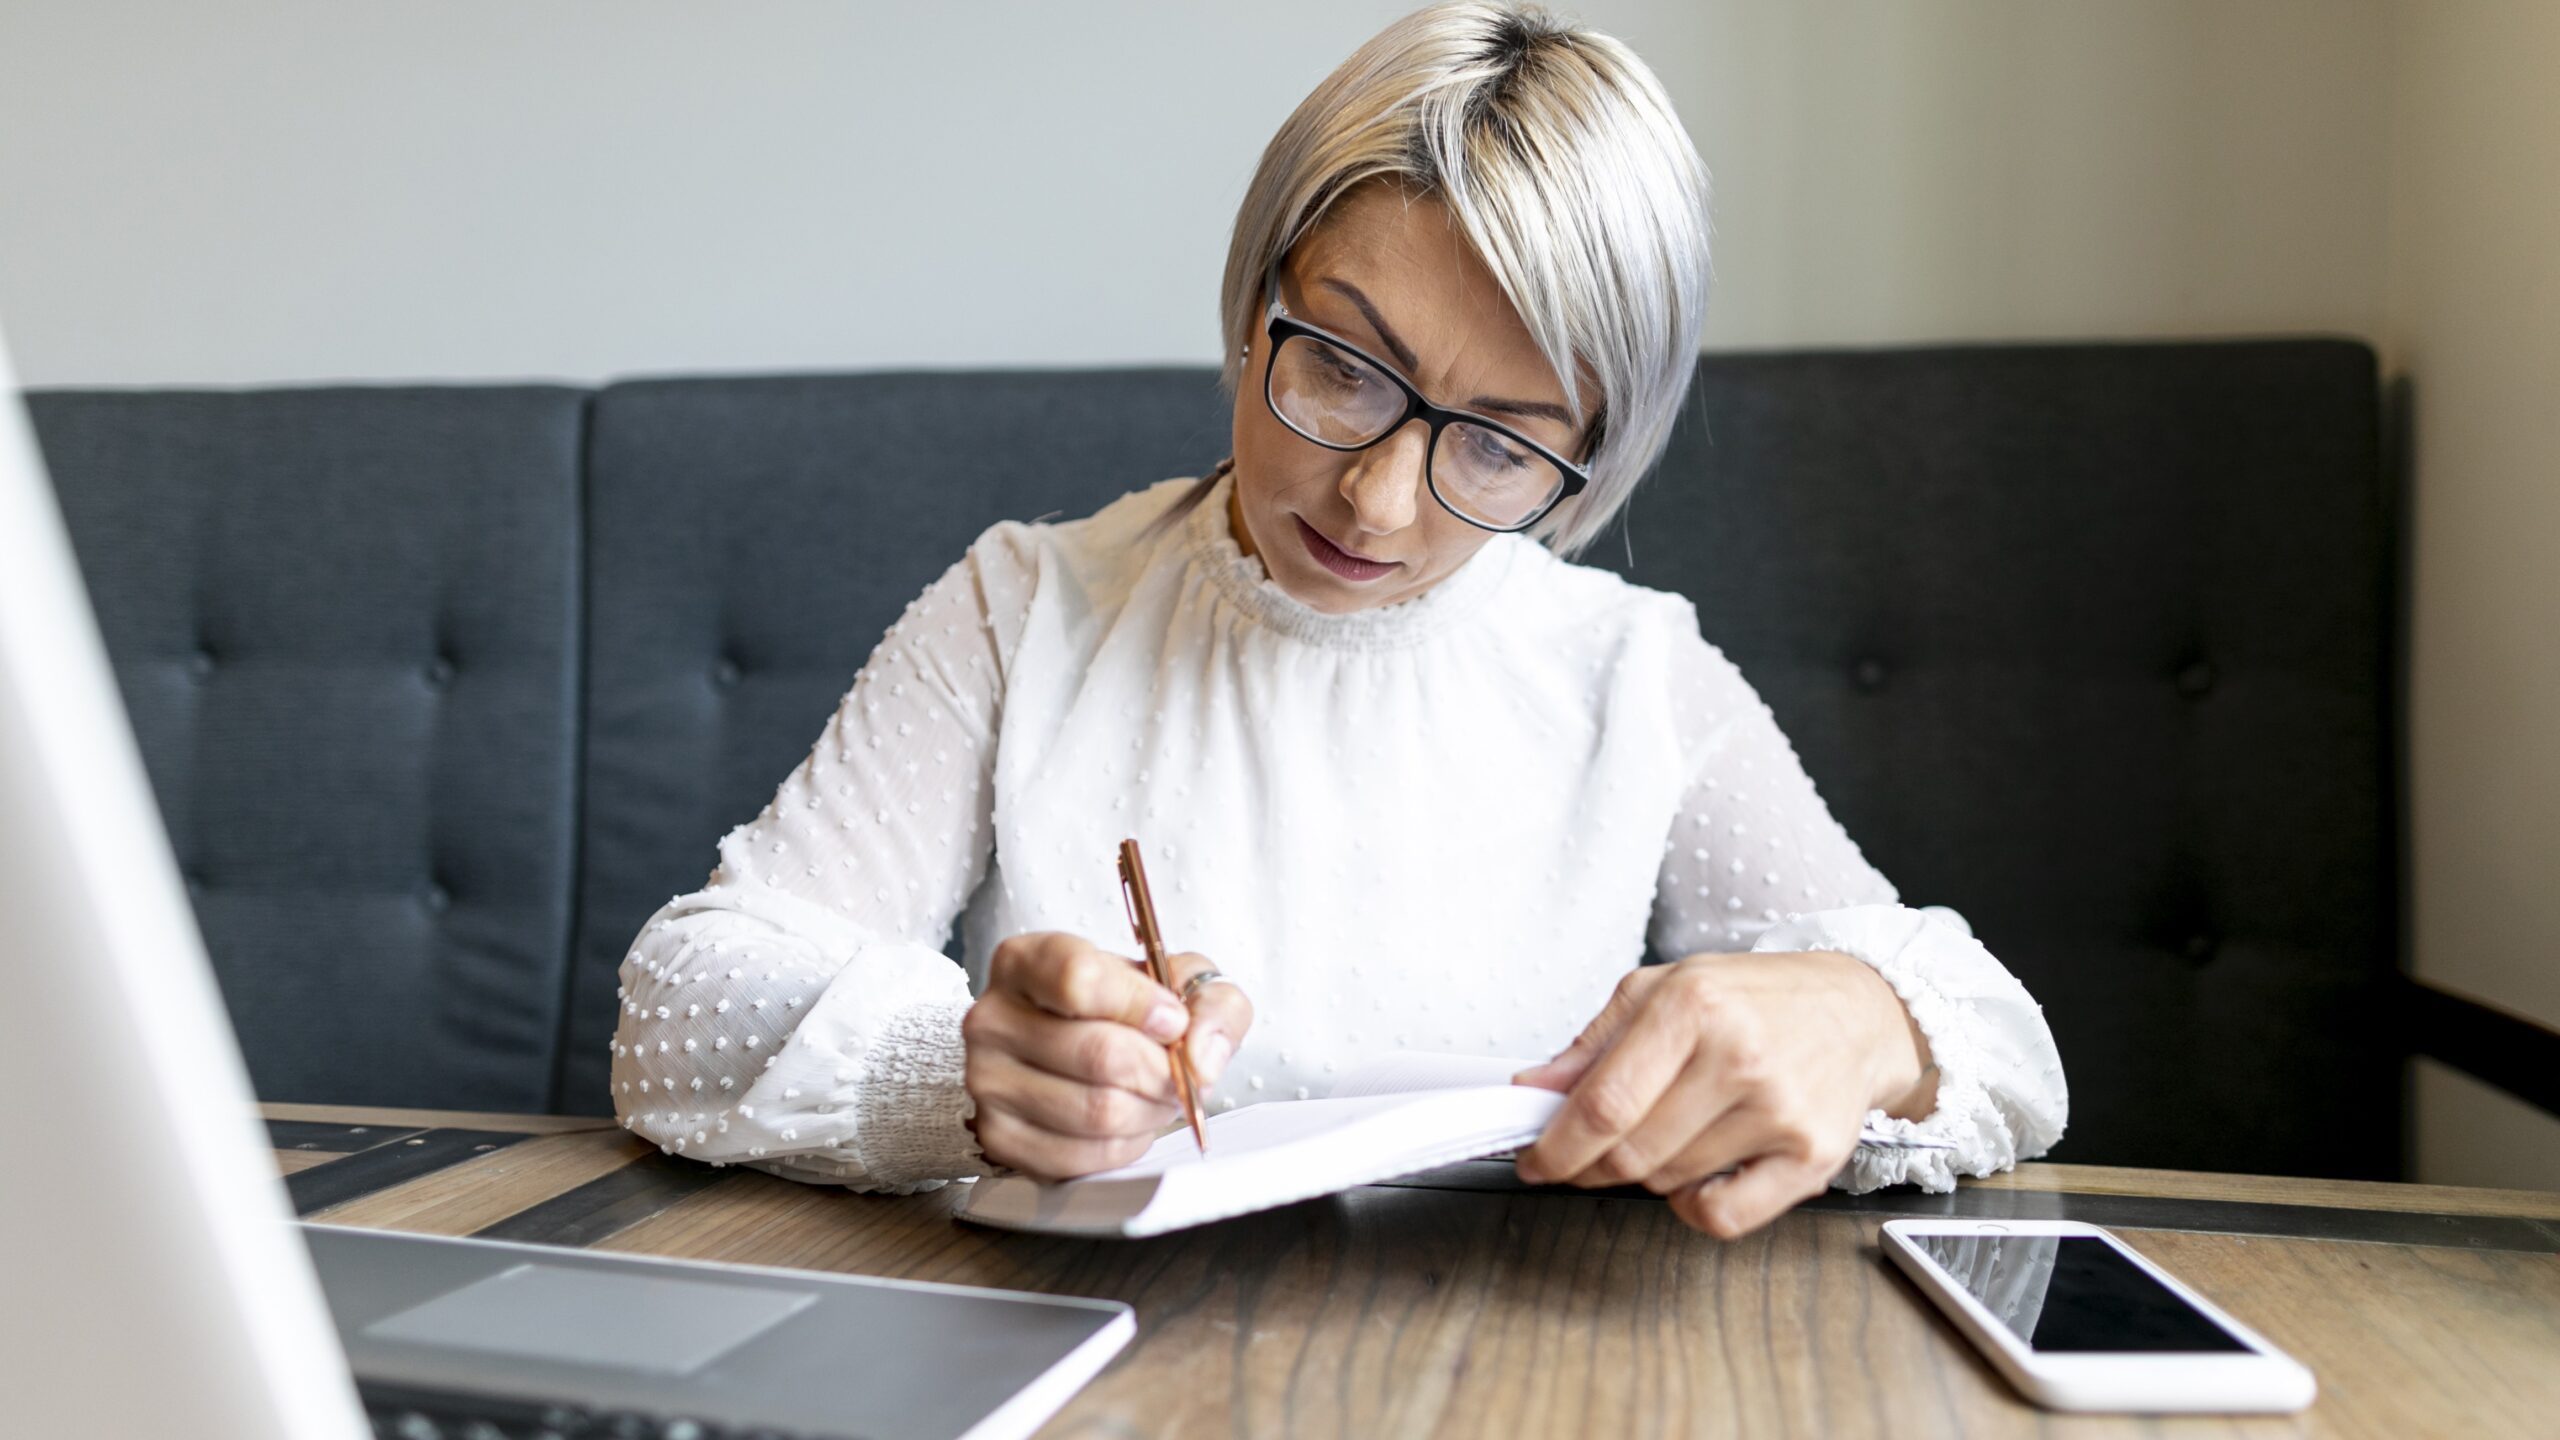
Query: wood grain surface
1407, 1311
2276, 1190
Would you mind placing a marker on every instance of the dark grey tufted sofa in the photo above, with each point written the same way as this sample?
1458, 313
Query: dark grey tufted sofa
444, 689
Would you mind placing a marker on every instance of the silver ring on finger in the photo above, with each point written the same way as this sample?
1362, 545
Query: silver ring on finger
1191, 987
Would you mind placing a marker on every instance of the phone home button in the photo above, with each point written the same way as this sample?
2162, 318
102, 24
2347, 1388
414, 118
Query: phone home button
1995, 1229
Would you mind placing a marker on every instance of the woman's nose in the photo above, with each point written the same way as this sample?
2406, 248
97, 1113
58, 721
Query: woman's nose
1384, 483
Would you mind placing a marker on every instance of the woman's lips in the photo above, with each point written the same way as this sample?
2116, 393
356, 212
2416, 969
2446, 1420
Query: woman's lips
1334, 558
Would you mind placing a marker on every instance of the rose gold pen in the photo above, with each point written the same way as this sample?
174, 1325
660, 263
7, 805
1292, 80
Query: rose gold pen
1142, 917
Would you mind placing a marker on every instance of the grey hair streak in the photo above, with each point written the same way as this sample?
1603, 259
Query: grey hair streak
1562, 162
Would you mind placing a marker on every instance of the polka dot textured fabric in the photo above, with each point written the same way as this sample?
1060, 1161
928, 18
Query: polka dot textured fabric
1449, 824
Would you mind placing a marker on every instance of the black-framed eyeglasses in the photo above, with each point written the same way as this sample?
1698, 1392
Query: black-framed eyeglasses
1340, 396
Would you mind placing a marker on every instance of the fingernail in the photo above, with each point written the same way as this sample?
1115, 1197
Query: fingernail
1530, 1172
1167, 1021
1210, 1054
1544, 1076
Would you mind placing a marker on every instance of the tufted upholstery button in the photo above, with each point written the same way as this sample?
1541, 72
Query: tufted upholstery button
1869, 673
2200, 947
200, 664
437, 898
440, 671
2195, 678
725, 674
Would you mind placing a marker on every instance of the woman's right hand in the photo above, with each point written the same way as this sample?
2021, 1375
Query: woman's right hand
1066, 1052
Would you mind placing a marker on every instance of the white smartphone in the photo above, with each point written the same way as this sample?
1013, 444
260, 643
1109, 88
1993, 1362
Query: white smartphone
2078, 1321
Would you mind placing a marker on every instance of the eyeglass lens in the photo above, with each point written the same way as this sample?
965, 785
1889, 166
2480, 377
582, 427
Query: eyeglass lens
1335, 398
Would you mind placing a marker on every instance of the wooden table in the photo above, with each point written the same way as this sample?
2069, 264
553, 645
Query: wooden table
1462, 1303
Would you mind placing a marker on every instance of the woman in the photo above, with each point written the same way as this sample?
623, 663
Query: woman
1413, 780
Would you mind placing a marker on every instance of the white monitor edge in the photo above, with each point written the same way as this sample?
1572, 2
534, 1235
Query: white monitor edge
155, 1282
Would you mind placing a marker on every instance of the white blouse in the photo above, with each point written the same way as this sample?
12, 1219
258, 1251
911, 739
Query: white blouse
1448, 824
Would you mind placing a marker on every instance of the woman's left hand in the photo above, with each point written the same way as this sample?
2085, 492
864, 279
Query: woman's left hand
1734, 1085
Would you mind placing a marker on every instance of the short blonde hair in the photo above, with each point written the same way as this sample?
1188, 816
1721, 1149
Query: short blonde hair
1563, 164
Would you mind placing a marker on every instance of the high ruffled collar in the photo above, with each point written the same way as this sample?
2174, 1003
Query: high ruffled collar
1460, 597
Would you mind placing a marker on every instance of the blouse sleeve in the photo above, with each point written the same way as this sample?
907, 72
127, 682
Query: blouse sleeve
1755, 861
796, 1013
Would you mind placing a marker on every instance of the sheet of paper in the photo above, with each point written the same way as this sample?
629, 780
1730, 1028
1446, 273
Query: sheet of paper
1380, 1085
1410, 1070
1250, 1129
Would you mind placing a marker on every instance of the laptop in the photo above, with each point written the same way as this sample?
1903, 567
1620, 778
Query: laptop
156, 1283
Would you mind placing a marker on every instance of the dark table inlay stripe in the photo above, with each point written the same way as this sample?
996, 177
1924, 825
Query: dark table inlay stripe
2123, 1212
607, 1204
366, 1171
335, 1138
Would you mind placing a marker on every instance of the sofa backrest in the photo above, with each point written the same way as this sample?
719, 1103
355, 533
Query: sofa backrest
346, 626
2087, 641
2092, 642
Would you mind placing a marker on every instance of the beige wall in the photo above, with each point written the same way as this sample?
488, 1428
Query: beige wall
2472, 315
302, 189
1890, 170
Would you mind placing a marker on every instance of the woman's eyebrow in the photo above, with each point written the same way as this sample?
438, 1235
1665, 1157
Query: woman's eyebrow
1543, 409
1404, 353
1540, 409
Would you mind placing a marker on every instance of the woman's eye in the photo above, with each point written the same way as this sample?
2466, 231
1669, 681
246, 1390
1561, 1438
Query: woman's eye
1491, 449
1339, 370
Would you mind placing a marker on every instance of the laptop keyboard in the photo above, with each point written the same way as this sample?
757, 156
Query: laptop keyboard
407, 1413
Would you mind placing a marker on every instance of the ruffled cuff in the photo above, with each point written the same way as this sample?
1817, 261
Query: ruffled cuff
897, 1124
1968, 1025
914, 1106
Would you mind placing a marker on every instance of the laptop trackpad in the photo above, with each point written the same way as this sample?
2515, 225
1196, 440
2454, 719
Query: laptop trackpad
620, 1321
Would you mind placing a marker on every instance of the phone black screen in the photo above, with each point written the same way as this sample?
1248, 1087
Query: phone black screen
2074, 1293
